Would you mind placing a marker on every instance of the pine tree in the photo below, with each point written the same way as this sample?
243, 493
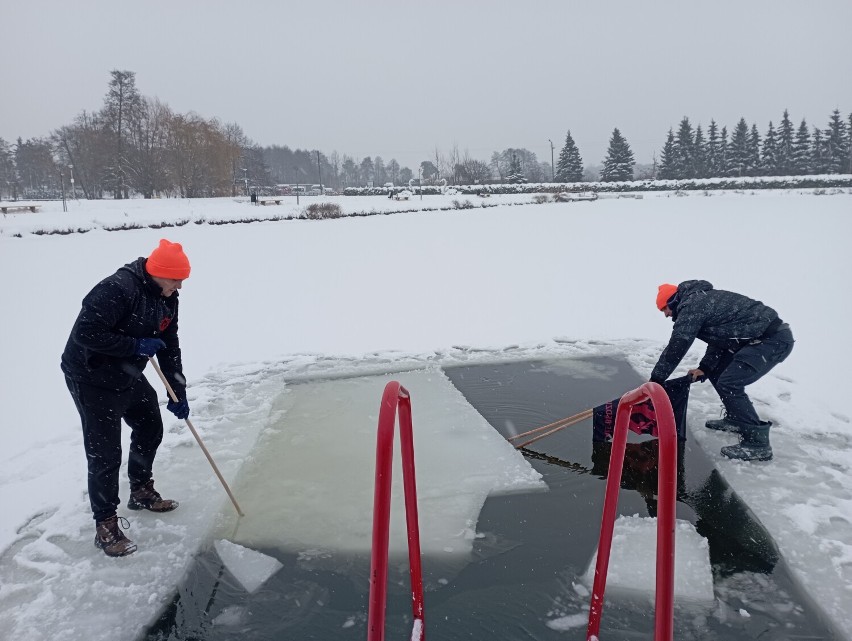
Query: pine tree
569, 169
801, 160
848, 168
684, 151
619, 162
724, 162
836, 144
667, 159
818, 153
738, 150
700, 154
121, 110
769, 158
785, 146
754, 152
516, 175
714, 163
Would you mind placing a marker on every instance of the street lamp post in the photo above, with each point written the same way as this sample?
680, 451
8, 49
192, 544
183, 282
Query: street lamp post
296, 173
73, 191
552, 171
62, 180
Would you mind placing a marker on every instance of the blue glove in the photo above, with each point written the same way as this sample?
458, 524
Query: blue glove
180, 409
148, 346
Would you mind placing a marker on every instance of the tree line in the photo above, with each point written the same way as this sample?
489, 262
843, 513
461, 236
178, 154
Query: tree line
690, 153
136, 145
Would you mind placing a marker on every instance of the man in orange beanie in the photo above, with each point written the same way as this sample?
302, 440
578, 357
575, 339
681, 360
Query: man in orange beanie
125, 319
745, 339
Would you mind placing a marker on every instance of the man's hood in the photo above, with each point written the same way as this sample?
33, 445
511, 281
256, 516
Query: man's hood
686, 289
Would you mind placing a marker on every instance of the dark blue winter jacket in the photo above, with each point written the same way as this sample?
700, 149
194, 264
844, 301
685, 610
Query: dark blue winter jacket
120, 309
723, 320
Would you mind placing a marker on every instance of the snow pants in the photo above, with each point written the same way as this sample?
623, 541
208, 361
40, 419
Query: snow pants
101, 411
744, 367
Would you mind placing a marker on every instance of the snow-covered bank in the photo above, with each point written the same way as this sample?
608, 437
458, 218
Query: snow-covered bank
388, 293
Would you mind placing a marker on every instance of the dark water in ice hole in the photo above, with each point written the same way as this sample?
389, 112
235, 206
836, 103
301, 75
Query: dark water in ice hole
535, 546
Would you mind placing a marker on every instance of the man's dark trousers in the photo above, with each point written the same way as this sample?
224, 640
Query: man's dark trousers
743, 367
101, 411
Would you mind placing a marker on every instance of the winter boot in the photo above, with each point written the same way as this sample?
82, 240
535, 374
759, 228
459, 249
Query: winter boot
723, 424
754, 444
145, 497
110, 538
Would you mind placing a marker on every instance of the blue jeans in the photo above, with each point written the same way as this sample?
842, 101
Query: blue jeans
744, 367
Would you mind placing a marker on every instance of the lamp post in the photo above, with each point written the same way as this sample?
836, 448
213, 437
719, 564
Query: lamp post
73, 191
552, 171
319, 169
62, 180
296, 175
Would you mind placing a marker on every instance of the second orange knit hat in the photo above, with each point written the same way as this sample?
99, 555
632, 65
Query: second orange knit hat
664, 293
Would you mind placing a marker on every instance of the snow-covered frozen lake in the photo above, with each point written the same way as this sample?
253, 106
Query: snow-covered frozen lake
295, 300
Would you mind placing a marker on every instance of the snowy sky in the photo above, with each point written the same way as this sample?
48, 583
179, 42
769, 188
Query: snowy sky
398, 79
275, 301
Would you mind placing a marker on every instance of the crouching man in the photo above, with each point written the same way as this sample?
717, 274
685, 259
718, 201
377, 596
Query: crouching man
745, 339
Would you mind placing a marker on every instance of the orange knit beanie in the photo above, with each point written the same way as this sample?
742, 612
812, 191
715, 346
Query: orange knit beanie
168, 261
664, 293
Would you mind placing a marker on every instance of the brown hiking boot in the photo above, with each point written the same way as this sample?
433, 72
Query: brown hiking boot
145, 497
110, 538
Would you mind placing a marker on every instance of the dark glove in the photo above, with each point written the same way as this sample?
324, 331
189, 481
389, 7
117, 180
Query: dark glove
179, 409
148, 346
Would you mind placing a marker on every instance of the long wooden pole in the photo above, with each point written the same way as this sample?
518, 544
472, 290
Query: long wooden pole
557, 426
570, 420
174, 397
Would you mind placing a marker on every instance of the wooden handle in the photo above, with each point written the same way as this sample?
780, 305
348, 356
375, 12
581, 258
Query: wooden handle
174, 398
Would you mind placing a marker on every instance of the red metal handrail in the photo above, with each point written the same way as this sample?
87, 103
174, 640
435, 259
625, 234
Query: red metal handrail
395, 399
664, 611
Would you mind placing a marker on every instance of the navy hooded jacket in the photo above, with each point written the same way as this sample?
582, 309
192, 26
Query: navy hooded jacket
726, 321
120, 309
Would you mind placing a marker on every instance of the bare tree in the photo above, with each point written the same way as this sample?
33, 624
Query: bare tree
476, 172
85, 144
146, 148
237, 143
334, 161
38, 173
8, 179
393, 171
380, 171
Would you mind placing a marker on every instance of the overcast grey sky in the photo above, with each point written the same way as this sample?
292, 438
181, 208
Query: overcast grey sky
398, 79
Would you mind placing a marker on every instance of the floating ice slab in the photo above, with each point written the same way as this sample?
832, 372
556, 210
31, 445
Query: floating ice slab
632, 561
250, 567
308, 485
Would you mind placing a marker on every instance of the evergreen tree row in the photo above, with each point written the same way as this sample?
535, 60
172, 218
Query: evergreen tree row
689, 153
785, 151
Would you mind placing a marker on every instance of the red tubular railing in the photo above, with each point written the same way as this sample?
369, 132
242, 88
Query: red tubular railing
395, 399
664, 613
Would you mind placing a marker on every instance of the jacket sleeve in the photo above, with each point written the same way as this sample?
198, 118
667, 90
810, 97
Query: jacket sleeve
670, 358
170, 359
685, 330
102, 310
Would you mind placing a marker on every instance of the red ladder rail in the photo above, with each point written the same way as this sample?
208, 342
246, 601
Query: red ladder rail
664, 607
394, 400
